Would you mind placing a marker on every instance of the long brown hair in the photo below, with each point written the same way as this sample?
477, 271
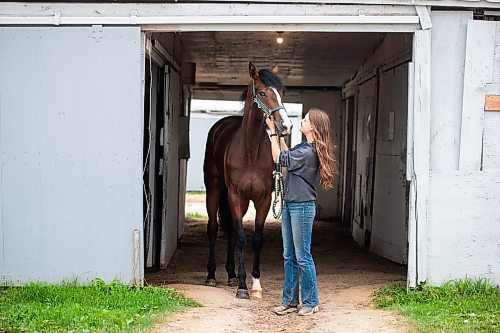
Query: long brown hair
322, 137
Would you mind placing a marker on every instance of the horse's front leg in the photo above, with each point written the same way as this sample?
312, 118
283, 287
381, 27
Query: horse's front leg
240, 242
232, 280
262, 209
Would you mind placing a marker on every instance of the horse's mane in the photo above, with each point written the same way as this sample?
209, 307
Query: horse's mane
269, 79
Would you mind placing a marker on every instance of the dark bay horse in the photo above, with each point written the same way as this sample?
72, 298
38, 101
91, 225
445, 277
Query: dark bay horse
238, 167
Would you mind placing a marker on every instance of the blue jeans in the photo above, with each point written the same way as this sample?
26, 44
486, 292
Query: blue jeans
296, 230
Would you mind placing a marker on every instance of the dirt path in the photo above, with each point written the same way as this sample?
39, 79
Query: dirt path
347, 276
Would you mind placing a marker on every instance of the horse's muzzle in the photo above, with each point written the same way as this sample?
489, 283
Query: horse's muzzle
283, 129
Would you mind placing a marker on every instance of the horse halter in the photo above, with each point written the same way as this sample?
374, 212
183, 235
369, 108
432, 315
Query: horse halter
267, 111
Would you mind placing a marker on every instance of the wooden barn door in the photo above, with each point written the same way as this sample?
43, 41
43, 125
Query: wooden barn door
71, 126
365, 120
389, 232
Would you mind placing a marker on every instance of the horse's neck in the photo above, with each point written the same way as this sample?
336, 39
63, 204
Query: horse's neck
252, 133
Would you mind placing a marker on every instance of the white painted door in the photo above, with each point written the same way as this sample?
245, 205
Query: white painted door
389, 216
170, 225
168, 242
71, 132
365, 119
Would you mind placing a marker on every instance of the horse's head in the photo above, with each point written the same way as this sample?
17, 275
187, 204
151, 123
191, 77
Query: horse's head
266, 91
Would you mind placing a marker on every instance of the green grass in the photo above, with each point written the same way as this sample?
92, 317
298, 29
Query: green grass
457, 306
97, 307
195, 216
196, 192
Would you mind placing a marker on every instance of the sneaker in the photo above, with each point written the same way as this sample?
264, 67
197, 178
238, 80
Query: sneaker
306, 310
284, 309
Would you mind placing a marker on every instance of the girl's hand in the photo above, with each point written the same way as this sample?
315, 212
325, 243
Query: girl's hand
270, 125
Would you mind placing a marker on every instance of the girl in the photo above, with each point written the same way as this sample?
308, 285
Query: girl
303, 162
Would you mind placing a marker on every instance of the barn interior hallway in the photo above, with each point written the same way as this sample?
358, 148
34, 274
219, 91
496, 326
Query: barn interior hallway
340, 262
347, 276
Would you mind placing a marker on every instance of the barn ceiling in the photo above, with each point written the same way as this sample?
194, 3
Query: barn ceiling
305, 58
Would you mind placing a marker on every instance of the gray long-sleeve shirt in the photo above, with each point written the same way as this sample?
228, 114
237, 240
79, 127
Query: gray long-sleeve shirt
302, 165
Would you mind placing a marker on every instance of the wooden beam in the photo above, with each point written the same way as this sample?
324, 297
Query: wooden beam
424, 16
492, 103
417, 215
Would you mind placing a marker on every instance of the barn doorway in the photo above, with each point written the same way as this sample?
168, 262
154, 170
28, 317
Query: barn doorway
362, 80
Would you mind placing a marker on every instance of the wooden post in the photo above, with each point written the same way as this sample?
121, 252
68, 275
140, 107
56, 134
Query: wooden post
137, 273
420, 136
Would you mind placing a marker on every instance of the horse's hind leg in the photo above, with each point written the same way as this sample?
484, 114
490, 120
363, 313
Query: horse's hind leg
212, 201
262, 208
226, 222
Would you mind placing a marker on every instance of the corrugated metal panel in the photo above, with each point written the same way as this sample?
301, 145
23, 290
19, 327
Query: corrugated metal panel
71, 152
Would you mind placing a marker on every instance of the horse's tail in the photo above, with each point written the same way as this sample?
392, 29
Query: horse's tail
225, 219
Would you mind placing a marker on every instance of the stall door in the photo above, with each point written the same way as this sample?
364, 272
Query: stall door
389, 219
365, 119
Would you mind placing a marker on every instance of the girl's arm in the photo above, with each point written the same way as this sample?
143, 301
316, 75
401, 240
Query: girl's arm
276, 141
284, 147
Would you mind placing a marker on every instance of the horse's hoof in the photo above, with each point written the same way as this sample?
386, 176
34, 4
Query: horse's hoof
211, 283
242, 294
233, 282
256, 293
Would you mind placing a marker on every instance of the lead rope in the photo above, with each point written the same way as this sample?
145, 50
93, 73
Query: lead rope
278, 187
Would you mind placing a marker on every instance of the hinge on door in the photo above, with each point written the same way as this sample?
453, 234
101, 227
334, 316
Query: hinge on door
133, 16
97, 33
56, 20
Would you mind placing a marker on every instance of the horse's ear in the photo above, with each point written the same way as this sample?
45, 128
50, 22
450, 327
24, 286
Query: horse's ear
275, 69
252, 71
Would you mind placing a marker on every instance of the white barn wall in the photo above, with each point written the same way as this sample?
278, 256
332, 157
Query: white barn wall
198, 132
71, 132
464, 238
463, 208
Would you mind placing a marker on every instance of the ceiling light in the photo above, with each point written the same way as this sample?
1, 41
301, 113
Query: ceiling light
279, 39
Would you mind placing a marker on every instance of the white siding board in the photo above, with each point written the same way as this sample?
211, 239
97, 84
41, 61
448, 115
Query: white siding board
491, 141
491, 133
477, 73
419, 187
496, 58
412, 227
464, 238
448, 53
199, 127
